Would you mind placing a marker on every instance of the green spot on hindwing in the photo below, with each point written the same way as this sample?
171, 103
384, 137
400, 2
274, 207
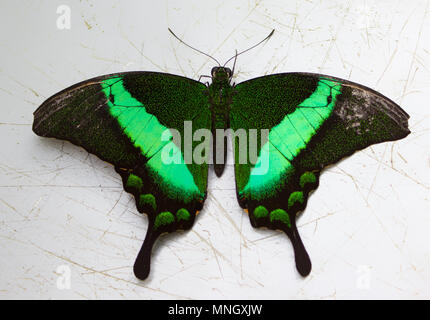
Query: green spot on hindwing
163, 219
183, 214
307, 178
260, 212
280, 215
134, 182
295, 197
147, 200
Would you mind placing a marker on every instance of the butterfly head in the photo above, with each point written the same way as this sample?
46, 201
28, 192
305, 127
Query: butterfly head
221, 74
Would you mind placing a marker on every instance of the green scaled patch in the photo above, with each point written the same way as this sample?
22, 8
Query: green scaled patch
307, 178
147, 200
183, 214
287, 140
295, 197
134, 182
163, 219
260, 212
145, 131
280, 215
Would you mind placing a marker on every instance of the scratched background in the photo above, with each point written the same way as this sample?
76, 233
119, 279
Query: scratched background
366, 228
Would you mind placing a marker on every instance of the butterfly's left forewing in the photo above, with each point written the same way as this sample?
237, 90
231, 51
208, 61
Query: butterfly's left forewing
312, 121
131, 120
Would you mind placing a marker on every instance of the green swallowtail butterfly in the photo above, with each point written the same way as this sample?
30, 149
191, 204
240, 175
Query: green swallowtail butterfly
142, 123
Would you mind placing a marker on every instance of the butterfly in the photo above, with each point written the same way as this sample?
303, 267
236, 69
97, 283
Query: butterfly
145, 124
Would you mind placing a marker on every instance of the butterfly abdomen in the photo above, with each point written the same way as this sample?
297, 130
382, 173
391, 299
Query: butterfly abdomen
219, 103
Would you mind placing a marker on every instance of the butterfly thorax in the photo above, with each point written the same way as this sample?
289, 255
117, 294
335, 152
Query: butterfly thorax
220, 97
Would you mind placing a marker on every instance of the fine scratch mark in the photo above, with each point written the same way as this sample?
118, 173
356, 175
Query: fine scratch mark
387, 66
227, 216
333, 39
94, 271
215, 251
377, 172
257, 3
141, 52
414, 54
13, 209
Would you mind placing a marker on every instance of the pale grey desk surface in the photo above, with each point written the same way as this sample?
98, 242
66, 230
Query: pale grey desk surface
366, 228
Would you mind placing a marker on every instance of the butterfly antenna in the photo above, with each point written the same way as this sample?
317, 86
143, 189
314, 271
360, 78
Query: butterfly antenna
234, 63
180, 40
235, 56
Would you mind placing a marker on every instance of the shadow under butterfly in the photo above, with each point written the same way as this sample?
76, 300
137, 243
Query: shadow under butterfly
129, 119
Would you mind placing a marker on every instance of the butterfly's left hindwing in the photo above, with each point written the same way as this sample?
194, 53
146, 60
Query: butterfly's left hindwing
131, 120
313, 121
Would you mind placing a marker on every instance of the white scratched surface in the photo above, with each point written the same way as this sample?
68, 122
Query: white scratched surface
366, 228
